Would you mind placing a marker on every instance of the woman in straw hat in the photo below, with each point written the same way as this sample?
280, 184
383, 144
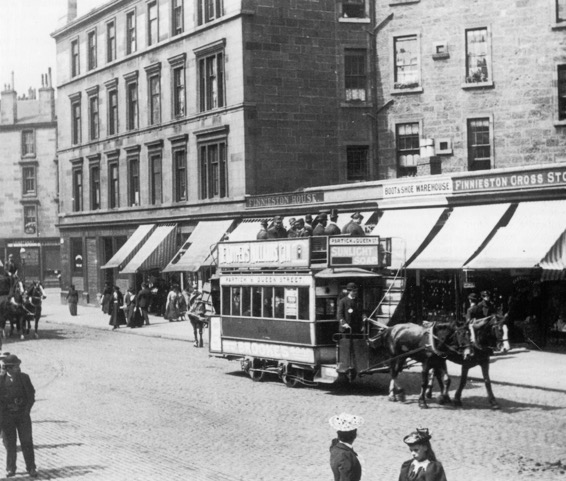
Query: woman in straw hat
344, 461
423, 466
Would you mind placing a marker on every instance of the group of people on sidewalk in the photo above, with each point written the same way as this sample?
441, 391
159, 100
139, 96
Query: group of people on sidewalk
346, 465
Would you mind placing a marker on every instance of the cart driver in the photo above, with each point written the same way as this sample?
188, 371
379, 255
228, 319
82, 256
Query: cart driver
350, 311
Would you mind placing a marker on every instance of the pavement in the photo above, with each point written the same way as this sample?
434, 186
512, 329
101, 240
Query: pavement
518, 367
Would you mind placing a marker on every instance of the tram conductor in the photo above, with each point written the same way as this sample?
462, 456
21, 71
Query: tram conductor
350, 311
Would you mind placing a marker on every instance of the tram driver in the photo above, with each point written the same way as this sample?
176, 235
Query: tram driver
350, 311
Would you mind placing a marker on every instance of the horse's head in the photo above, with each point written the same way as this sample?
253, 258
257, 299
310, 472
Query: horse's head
494, 334
444, 336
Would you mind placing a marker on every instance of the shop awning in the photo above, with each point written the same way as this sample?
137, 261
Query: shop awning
460, 237
246, 231
202, 241
408, 228
554, 262
528, 237
156, 251
128, 250
345, 272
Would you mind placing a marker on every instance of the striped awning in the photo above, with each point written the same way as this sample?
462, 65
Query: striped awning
247, 230
156, 252
129, 249
202, 242
527, 239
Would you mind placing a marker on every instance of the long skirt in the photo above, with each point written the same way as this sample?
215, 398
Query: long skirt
73, 309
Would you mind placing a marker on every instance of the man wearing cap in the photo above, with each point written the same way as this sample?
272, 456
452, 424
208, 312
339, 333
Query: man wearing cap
350, 314
11, 269
354, 227
332, 228
321, 221
17, 396
300, 229
344, 461
277, 231
262, 234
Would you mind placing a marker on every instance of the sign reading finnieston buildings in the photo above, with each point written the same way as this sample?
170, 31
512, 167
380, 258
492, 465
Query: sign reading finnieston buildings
418, 188
534, 178
278, 200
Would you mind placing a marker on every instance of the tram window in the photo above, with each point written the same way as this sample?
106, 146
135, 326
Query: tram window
225, 301
304, 303
267, 302
325, 308
236, 302
246, 301
279, 302
256, 301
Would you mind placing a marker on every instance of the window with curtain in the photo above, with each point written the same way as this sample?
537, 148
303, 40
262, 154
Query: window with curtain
112, 112
28, 142
180, 174
177, 17
406, 73
134, 180
213, 170
91, 46
132, 105
155, 179
77, 189
152, 23
113, 186
110, 41
154, 100
355, 75
209, 10
211, 81
29, 180
95, 187
477, 56
94, 124
76, 122
131, 32
75, 59
408, 148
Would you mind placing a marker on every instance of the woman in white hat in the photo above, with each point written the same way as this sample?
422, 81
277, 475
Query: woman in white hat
344, 461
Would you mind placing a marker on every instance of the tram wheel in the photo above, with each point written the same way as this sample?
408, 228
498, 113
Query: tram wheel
257, 376
291, 377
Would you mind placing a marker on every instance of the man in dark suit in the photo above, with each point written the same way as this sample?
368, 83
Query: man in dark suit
17, 397
354, 227
350, 314
142, 302
332, 228
262, 234
277, 231
320, 221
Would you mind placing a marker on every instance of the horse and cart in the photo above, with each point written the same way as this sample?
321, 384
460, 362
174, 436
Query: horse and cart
278, 315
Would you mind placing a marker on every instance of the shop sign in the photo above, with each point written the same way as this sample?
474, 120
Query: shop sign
513, 180
281, 200
418, 188
259, 280
353, 251
273, 254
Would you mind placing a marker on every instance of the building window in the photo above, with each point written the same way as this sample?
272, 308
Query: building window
131, 32
30, 219
113, 186
91, 57
75, 59
353, 8
177, 17
479, 144
132, 105
408, 148
179, 91
112, 112
407, 75
94, 124
134, 180
95, 187
180, 174
29, 180
155, 178
357, 162
154, 99
77, 189
28, 143
355, 75
560, 11
110, 41
213, 170
562, 92
211, 81
152, 23
209, 10
76, 122
477, 56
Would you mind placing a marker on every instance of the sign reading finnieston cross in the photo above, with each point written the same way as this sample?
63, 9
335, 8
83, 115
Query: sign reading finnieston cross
534, 178
278, 200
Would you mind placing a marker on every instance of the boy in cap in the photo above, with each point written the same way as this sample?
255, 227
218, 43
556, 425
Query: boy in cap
17, 396
343, 459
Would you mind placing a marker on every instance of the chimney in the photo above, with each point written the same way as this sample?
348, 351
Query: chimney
47, 99
71, 10
9, 105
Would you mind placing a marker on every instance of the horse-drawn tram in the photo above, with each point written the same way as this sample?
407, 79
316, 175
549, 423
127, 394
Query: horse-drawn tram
279, 303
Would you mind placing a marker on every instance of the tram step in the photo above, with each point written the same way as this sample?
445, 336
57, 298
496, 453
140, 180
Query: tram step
327, 374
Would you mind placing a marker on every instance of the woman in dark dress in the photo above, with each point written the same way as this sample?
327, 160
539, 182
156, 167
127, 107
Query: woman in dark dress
106, 298
423, 466
117, 316
344, 461
72, 300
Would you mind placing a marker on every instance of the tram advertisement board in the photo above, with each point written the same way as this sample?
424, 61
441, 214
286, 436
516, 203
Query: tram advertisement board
286, 253
354, 251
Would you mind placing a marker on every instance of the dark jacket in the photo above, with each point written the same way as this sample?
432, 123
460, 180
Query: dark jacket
434, 472
344, 462
277, 232
73, 296
332, 229
353, 229
319, 229
28, 389
350, 312
480, 310
262, 234
143, 298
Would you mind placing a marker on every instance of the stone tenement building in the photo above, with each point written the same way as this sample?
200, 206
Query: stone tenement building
173, 111
29, 205
484, 82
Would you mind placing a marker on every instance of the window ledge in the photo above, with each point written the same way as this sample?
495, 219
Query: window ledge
354, 104
478, 85
558, 26
560, 123
396, 3
353, 20
28, 161
416, 90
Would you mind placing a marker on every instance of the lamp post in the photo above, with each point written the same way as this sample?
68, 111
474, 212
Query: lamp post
23, 260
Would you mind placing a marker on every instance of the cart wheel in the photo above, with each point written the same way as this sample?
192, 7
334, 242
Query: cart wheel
290, 377
257, 376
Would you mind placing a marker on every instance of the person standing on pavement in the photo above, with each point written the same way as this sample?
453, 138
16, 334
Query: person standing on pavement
17, 397
72, 300
106, 298
173, 303
142, 302
423, 466
117, 316
129, 306
344, 461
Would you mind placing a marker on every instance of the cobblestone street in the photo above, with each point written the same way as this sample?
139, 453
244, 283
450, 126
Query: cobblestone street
117, 406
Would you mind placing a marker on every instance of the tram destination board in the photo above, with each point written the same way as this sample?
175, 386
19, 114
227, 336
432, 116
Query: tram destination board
354, 251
